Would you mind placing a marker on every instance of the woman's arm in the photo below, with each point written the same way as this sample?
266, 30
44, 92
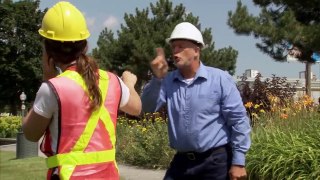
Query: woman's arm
133, 106
34, 126
39, 117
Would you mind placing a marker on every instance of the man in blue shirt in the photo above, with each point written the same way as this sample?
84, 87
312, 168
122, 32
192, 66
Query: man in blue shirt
208, 125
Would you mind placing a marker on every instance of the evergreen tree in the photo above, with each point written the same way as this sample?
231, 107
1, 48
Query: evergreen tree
136, 41
20, 51
282, 25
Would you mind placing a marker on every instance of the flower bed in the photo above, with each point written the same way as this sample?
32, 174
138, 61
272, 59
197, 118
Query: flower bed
7, 141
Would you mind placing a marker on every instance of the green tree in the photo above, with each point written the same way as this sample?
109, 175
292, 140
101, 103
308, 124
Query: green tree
20, 51
137, 39
279, 23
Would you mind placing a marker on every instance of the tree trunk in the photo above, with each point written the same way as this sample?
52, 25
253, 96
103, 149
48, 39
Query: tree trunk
13, 107
308, 78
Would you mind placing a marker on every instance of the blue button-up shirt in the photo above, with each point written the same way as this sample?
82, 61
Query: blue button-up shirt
206, 113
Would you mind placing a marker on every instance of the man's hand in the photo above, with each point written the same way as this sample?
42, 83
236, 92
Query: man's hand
159, 64
48, 67
129, 78
237, 172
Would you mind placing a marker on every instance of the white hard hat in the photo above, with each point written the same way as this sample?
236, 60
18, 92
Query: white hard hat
186, 30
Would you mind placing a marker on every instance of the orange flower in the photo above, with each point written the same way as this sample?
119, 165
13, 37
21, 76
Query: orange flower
284, 116
248, 104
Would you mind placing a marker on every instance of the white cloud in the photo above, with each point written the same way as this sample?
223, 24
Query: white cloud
111, 22
90, 22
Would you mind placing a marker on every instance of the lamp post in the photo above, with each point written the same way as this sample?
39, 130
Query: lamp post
24, 148
23, 97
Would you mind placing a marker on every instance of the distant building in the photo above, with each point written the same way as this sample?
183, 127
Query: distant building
299, 83
251, 73
302, 75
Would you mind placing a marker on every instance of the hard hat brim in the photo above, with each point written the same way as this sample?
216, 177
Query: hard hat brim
168, 40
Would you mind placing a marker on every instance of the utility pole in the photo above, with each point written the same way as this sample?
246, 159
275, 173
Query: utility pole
308, 78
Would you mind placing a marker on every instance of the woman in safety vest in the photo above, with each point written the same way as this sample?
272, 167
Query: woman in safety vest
77, 110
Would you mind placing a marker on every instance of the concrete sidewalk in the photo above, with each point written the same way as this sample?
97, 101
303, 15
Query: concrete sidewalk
128, 172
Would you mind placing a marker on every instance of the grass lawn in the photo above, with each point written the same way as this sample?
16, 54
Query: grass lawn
16, 169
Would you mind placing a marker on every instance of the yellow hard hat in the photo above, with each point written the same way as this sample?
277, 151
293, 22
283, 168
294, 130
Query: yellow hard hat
64, 22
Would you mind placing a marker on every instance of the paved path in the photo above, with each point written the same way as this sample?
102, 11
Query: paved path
128, 172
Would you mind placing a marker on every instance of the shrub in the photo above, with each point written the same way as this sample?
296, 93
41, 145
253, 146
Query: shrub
259, 97
9, 126
144, 142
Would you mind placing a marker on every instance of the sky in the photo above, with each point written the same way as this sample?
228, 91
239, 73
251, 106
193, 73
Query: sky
212, 14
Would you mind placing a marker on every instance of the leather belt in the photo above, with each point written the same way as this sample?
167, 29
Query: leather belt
192, 155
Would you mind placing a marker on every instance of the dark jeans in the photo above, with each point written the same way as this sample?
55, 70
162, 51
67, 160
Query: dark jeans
203, 166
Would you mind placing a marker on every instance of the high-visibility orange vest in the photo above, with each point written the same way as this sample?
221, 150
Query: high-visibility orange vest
86, 141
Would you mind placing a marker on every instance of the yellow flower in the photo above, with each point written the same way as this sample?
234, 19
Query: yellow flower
262, 111
255, 115
143, 129
256, 106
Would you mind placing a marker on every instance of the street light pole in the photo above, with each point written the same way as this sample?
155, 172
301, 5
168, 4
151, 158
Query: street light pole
23, 97
24, 148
